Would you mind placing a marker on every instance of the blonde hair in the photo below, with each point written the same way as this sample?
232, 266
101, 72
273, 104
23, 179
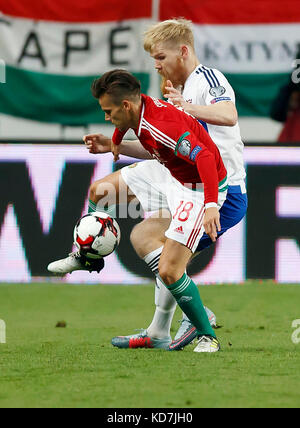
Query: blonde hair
175, 31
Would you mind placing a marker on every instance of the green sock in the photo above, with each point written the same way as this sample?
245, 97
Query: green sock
111, 210
188, 298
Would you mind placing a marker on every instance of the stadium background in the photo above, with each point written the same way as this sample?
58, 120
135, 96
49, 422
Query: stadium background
50, 52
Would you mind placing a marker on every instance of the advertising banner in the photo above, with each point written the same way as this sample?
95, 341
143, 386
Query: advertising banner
41, 202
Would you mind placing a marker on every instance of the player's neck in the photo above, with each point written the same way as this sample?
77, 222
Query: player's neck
190, 65
136, 114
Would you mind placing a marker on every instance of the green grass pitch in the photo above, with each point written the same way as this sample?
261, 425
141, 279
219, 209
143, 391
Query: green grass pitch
76, 366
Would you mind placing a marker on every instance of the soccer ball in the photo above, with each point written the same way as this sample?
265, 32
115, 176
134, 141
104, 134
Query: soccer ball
96, 235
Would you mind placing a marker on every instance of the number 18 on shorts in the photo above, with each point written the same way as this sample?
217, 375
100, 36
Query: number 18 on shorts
187, 209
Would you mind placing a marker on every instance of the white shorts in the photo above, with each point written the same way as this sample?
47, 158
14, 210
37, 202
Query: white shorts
156, 189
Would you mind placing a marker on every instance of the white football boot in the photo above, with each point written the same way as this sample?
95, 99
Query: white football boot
75, 261
207, 344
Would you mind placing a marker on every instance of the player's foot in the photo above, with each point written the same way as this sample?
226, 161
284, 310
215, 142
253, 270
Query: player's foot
207, 344
187, 333
141, 340
75, 261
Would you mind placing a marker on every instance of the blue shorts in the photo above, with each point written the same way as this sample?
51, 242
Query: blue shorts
231, 213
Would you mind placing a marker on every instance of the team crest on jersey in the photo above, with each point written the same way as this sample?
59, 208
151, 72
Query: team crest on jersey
184, 148
217, 91
183, 145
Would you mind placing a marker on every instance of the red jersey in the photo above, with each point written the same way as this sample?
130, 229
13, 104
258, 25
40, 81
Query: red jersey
176, 139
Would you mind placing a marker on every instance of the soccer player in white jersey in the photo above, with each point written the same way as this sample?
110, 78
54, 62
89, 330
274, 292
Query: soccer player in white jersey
206, 94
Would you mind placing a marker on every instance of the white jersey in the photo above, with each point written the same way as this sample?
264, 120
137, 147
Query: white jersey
207, 86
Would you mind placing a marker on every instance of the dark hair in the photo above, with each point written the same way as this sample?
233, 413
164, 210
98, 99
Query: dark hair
119, 84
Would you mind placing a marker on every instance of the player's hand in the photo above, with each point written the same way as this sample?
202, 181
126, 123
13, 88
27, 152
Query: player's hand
211, 223
115, 151
174, 95
97, 143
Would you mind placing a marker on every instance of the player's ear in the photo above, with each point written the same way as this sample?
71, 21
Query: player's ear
184, 51
126, 104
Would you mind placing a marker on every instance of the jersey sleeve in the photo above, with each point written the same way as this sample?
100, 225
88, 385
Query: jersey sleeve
217, 88
190, 149
118, 136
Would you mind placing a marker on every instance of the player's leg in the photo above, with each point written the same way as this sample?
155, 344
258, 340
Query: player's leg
231, 213
172, 271
104, 195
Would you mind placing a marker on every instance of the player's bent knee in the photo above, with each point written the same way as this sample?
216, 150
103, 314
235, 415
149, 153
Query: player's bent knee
107, 188
169, 273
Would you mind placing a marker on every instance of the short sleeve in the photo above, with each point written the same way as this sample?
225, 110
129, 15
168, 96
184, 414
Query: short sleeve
217, 88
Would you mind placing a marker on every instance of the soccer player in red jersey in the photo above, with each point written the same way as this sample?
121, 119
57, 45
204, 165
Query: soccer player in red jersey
193, 195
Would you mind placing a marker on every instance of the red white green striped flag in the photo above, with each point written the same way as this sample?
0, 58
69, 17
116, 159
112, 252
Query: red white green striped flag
53, 50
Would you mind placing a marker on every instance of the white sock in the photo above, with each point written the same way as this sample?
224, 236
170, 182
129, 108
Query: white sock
164, 301
164, 312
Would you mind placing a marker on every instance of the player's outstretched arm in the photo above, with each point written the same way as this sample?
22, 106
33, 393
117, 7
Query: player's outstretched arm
99, 143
